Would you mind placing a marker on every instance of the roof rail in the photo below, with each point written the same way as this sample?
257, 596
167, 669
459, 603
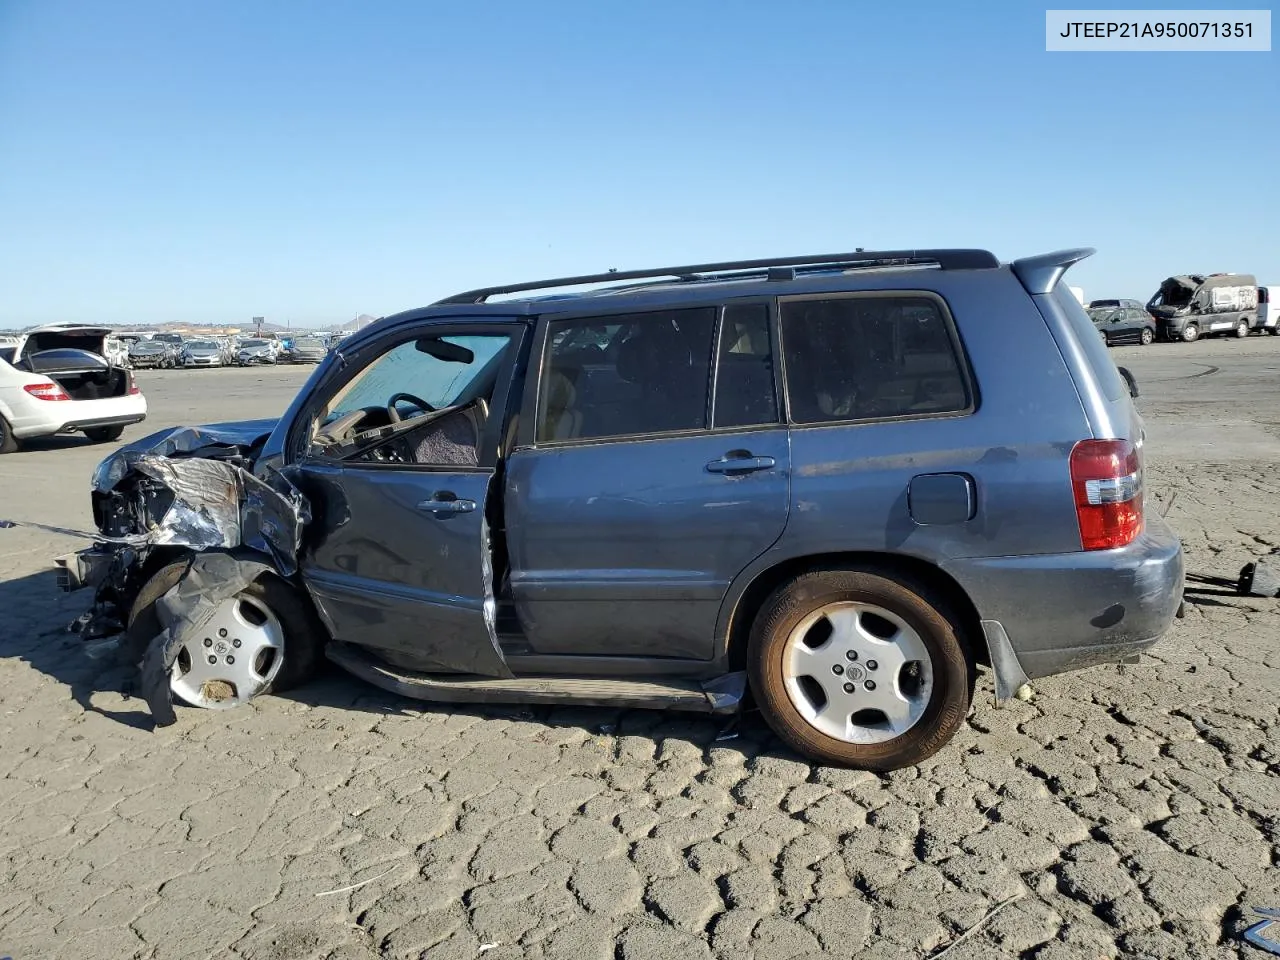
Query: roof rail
1040, 274
784, 268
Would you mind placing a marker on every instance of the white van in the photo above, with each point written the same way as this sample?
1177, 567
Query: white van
1269, 310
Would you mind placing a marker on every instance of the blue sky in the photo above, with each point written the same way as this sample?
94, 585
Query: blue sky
308, 161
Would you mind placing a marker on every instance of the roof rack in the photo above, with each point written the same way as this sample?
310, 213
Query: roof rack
785, 268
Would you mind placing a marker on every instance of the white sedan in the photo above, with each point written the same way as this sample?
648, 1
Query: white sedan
57, 380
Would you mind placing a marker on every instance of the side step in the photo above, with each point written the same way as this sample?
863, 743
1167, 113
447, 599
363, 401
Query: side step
721, 695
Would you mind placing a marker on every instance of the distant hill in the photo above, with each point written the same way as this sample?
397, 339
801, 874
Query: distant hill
248, 327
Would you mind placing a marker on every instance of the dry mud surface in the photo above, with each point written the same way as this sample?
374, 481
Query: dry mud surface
1135, 811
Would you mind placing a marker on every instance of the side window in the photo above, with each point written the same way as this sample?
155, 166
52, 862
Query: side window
745, 394
870, 358
626, 375
424, 401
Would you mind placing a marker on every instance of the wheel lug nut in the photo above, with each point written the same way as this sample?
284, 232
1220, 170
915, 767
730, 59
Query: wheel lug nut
837, 669
870, 684
212, 658
852, 655
236, 644
230, 659
871, 664
849, 688
208, 642
222, 632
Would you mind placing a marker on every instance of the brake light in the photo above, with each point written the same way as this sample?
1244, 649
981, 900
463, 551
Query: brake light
46, 391
1106, 478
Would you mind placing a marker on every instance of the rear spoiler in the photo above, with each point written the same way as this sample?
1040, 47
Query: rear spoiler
1040, 274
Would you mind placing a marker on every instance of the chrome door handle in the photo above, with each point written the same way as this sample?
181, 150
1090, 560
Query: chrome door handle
447, 507
740, 464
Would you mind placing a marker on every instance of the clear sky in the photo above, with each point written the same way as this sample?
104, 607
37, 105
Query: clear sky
308, 161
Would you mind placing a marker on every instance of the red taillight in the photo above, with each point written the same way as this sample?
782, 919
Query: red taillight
46, 391
1106, 478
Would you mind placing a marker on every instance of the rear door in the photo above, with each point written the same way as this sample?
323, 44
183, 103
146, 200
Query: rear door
653, 470
398, 553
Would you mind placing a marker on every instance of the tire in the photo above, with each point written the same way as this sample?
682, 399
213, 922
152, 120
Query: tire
304, 634
1147, 336
1106, 340
8, 442
1190, 333
802, 605
104, 434
1242, 329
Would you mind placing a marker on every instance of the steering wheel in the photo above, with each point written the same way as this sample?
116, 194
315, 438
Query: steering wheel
418, 402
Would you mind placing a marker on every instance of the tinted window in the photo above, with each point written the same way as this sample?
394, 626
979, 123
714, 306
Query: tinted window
745, 393
624, 375
859, 358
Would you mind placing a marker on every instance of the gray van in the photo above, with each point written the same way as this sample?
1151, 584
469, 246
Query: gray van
1190, 306
837, 484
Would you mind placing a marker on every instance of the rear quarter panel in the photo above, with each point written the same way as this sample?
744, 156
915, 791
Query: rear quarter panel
850, 481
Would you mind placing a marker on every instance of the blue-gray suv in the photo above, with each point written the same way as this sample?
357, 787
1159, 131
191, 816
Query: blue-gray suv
837, 484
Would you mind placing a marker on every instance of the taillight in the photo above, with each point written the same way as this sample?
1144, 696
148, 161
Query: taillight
46, 391
134, 389
1106, 478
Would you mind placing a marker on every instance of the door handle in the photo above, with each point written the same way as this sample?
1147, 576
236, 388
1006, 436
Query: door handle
447, 507
740, 464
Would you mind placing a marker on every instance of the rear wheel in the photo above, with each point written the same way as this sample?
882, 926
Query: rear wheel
8, 442
263, 639
104, 434
860, 669
1147, 336
1242, 329
1190, 333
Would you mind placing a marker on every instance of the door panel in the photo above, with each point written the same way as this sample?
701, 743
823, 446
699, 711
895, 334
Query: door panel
628, 548
398, 559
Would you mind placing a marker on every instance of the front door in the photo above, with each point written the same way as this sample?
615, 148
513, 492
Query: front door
399, 467
655, 470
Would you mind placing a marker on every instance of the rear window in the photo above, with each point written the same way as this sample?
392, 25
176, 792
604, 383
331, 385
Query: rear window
871, 358
1094, 347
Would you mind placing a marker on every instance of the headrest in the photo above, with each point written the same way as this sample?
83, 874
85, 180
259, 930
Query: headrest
560, 392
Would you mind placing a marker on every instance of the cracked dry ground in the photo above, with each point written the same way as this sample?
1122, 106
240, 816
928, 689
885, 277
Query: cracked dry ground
1135, 809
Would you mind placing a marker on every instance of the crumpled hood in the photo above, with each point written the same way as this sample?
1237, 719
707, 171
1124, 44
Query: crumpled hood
211, 440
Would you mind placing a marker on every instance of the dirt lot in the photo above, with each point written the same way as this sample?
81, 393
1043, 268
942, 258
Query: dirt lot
1136, 810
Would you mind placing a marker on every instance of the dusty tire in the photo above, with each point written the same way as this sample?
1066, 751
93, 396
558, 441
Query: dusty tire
920, 608
304, 634
104, 434
1242, 329
8, 442
1190, 333
1148, 335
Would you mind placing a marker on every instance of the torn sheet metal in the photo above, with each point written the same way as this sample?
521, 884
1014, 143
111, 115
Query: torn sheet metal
236, 439
214, 576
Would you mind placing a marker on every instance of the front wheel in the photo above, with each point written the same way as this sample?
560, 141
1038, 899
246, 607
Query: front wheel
860, 669
104, 434
265, 638
1190, 333
1148, 335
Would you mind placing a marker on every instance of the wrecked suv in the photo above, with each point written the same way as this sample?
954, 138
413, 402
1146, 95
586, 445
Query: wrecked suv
836, 484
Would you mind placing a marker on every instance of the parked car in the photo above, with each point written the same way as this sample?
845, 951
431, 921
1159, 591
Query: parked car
817, 477
57, 381
1191, 306
1269, 309
1122, 321
255, 352
202, 353
146, 354
307, 350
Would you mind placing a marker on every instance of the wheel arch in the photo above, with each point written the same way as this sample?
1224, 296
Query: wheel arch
751, 598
